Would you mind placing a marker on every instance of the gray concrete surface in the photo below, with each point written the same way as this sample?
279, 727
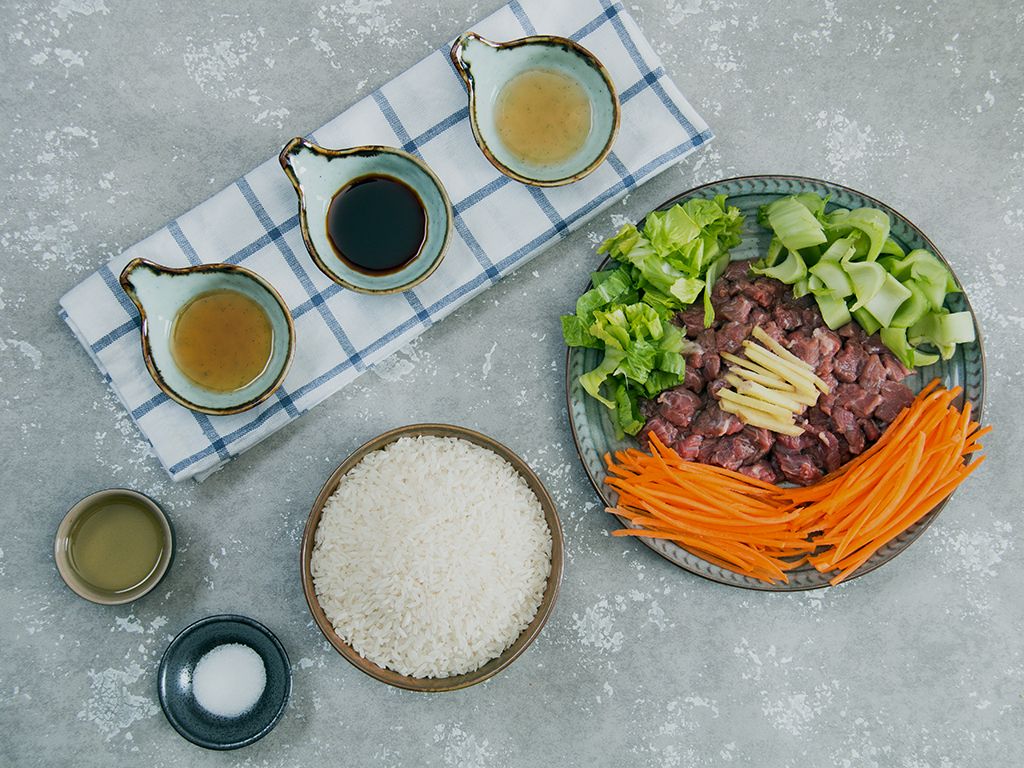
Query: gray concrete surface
117, 115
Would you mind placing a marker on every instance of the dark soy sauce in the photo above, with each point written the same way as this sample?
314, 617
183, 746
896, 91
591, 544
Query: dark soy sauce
377, 224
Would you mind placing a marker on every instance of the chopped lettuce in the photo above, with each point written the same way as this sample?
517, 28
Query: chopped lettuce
643, 354
662, 268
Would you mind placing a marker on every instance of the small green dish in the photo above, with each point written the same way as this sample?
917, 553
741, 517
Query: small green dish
318, 174
160, 293
487, 66
79, 584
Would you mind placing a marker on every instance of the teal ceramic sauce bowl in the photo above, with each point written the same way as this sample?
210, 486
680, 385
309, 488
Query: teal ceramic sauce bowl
161, 292
486, 67
318, 174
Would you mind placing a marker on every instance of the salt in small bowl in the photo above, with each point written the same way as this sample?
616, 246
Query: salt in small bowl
174, 682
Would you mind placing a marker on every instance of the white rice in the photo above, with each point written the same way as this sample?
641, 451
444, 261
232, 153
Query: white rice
432, 556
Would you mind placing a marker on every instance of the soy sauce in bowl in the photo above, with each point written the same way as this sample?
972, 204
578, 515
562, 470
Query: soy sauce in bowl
376, 224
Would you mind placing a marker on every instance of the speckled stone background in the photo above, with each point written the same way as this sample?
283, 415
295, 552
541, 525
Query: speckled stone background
117, 115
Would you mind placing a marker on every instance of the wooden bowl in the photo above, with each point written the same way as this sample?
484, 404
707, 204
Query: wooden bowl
492, 667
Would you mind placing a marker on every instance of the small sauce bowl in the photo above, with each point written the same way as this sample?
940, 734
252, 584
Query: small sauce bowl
76, 582
318, 174
486, 67
161, 292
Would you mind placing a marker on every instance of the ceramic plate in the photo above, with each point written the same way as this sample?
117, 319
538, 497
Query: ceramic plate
592, 428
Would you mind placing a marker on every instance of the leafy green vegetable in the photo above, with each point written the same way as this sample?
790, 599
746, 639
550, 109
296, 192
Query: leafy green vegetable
913, 309
865, 320
887, 300
855, 269
716, 268
834, 277
789, 270
665, 267
867, 278
833, 308
871, 221
794, 223
896, 340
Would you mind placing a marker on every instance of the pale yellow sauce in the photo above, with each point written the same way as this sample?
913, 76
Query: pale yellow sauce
543, 116
116, 545
222, 340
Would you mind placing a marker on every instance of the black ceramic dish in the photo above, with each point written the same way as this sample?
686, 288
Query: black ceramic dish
174, 682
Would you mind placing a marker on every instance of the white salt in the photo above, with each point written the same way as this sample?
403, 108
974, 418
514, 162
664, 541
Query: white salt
229, 680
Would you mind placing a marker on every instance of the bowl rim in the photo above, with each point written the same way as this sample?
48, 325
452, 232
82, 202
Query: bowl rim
77, 583
223, 618
526, 637
363, 149
598, 485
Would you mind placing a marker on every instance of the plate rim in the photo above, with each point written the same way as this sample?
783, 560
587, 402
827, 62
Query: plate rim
931, 515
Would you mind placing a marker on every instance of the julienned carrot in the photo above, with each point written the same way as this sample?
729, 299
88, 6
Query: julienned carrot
837, 525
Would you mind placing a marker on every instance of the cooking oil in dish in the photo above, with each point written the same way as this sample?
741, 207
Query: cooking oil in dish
543, 116
377, 224
116, 545
222, 340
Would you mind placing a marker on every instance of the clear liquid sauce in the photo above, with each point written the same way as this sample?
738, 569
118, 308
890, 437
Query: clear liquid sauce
116, 545
543, 117
222, 340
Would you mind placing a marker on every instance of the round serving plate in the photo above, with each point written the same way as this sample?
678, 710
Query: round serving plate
594, 433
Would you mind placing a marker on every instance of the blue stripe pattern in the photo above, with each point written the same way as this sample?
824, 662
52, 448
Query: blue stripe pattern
288, 404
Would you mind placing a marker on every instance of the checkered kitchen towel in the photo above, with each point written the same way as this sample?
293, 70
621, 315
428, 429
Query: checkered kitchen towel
499, 226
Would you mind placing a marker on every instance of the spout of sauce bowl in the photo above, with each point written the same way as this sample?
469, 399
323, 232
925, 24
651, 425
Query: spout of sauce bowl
464, 51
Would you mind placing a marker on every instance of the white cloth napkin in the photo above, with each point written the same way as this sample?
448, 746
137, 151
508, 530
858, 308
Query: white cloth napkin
499, 226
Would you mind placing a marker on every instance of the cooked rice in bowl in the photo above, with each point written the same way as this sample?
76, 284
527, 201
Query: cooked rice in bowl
431, 557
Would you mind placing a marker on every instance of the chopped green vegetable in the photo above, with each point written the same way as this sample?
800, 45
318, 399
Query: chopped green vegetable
775, 253
789, 271
896, 340
891, 247
943, 329
866, 320
833, 308
793, 223
871, 221
913, 309
834, 277
867, 278
664, 268
716, 268
859, 266
801, 288
887, 300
